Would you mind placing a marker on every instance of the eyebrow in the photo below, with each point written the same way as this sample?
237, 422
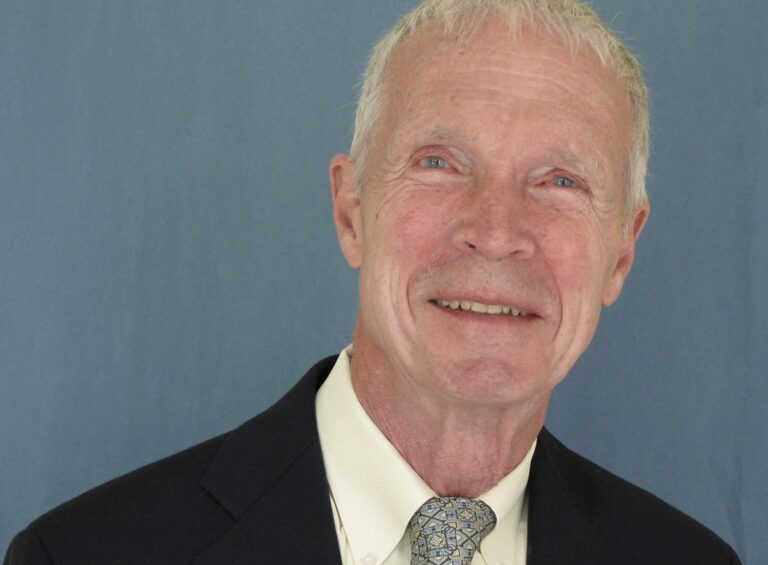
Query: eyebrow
440, 135
572, 159
443, 134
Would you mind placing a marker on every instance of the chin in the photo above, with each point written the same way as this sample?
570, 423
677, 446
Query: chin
492, 380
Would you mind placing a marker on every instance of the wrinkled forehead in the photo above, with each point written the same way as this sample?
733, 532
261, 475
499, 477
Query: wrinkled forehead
533, 61
488, 37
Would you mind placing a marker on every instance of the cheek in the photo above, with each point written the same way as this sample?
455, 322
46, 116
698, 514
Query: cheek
412, 231
395, 251
416, 235
576, 258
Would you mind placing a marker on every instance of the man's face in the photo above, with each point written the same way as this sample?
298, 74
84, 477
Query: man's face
489, 231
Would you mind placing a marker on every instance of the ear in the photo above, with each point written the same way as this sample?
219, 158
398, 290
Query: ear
626, 255
346, 209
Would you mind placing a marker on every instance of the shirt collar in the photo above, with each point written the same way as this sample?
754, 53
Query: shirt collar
507, 499
374, 488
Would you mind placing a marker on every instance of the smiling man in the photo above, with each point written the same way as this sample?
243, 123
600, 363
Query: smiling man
489, 232
492, 202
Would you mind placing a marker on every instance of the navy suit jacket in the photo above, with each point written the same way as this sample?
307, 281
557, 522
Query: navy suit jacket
259, 495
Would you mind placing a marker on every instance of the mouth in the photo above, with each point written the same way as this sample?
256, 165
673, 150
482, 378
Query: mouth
482, 308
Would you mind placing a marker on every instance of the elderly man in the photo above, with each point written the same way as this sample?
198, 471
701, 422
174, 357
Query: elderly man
492, 201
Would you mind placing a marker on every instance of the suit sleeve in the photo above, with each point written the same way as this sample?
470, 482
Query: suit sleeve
27, 549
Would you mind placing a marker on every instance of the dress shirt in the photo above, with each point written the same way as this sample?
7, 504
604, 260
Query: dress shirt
374, 492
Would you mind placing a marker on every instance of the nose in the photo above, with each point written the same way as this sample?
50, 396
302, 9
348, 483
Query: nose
495, 223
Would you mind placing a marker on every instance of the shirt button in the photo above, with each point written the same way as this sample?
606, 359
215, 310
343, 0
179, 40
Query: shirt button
368, 559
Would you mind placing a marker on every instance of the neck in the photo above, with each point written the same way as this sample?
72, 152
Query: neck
458, 448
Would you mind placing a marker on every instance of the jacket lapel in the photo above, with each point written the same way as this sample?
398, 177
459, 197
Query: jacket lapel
560, 522
269, 475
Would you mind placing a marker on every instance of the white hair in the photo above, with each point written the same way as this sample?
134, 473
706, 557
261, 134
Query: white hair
574, 21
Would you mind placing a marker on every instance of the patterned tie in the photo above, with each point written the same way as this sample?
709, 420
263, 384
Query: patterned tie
448, 530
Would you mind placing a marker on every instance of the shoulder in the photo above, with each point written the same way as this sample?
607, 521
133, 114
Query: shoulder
170, 510
631, 520
138, 514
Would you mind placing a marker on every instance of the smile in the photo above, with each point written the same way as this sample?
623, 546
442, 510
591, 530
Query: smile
480, 308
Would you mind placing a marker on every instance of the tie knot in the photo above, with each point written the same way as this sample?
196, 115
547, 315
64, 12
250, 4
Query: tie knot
448, 530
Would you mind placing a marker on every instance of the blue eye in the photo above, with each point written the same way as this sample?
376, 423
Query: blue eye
433, 162
564, 182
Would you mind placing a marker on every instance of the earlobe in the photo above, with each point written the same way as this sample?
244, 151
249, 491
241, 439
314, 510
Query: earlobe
346, 208
626, 255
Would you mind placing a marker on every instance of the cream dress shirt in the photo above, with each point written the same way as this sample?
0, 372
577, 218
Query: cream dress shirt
374, 492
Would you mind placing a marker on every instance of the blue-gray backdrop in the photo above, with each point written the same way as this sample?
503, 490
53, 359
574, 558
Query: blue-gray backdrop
168, 265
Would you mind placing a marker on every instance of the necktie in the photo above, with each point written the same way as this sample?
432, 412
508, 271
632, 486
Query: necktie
448, 530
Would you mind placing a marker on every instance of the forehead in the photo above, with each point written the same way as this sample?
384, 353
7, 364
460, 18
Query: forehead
436, 83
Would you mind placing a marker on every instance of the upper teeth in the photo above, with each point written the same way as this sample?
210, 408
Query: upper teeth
479, 307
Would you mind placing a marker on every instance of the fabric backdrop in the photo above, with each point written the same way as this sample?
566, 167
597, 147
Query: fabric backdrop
168, 263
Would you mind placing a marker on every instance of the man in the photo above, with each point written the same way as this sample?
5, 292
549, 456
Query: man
492, 201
